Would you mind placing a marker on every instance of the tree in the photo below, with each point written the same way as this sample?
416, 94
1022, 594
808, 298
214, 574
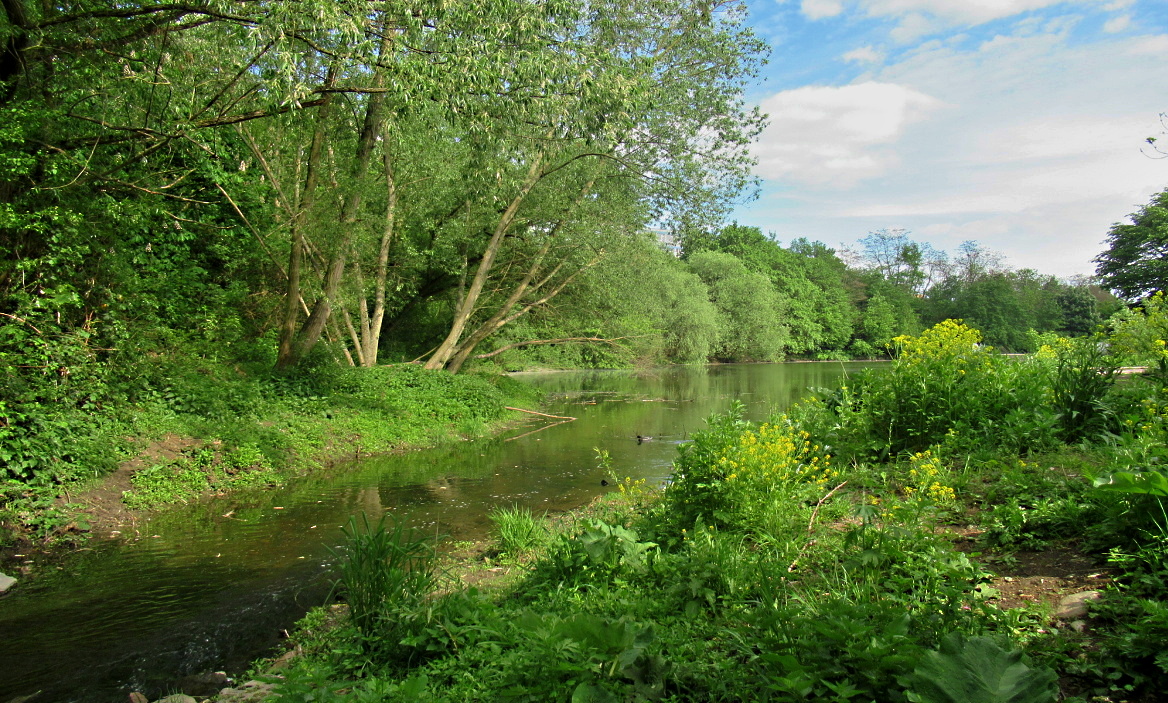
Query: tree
657, 117
1080, 311
750, 312
1135, 264
901, 261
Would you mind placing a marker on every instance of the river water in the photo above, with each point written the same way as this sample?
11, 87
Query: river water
212, 586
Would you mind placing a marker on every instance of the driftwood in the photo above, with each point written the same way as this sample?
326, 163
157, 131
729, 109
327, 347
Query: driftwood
561, 422
563, 419
532, 412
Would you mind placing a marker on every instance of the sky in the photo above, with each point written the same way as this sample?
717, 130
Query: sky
1019, 124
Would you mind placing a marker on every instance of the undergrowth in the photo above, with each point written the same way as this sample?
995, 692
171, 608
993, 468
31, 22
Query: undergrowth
812, 558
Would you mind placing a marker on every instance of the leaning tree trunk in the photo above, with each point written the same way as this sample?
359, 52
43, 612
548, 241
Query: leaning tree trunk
470, 299
504, 314
287, 356
371, 129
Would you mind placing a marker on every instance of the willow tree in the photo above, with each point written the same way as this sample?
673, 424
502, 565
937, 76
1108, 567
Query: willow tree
654, 115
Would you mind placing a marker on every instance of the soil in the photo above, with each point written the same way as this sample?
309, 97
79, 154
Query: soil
1044, 578
109, 516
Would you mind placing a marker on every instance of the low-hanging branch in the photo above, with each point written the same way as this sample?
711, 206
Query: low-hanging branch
532, 342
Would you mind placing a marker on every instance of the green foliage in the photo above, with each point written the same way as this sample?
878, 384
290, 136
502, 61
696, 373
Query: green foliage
517, 530
1138, 334
385, 573
750, 313
198, 471
1134, 265
597, 555
947, 388
1151, 483
978, 670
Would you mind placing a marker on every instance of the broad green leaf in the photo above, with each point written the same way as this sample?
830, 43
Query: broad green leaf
977, 670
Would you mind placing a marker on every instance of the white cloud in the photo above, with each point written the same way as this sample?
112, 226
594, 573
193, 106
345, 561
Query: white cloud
918, 16
1036, 152
967, 12
820, 9
912, 27
863, 54
1118, 24
1156, 45
837, 135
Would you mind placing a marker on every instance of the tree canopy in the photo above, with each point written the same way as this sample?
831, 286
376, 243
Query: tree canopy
1135, 264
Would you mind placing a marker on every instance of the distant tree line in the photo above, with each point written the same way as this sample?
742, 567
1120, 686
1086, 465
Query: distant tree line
738, 295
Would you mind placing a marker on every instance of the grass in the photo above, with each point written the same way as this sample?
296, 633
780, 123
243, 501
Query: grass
518, 530
244, 430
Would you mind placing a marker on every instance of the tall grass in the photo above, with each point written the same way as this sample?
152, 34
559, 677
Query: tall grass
384, 569
518, 530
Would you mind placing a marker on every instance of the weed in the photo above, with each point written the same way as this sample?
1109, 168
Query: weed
517, 530
386, 572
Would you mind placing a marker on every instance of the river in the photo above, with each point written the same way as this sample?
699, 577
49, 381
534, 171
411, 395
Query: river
213, 586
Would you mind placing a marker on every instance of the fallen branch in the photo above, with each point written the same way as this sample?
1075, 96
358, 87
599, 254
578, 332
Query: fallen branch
561, 422
532, 412
609, 340
811, 524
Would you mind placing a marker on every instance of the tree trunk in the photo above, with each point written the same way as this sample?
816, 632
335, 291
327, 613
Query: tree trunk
468, 301
503, 315
371, 326
370, 131
287, 356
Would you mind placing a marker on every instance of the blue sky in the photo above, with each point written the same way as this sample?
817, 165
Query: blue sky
1016, 123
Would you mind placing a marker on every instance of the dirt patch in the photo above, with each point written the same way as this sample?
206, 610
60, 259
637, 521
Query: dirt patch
477, 564
1043, 578
109, 516
1046, 577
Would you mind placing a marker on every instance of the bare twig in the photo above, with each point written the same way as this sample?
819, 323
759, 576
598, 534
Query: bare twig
561, 422
21, 319
811, 524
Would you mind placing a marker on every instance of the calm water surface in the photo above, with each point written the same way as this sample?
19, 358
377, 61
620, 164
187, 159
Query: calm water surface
212, 587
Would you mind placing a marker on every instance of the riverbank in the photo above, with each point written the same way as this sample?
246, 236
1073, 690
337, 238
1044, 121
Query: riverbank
270, 430
946, 530
619, 597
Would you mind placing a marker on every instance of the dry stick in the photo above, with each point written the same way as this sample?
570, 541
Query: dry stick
561, 422
811, 525
21, 319
532, 412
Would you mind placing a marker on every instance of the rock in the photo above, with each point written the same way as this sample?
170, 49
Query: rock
1074, 606
250, 692
203, 685
136, 697
6, 582
1079, 625
284, 660
177, 698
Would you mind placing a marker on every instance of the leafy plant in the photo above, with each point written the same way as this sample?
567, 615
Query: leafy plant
385, 570
978, 670
517, 529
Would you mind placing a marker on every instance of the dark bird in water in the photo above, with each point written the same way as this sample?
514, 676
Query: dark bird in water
642, 439
604, 481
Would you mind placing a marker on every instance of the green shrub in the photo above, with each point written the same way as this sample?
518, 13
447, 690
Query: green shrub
517, 530
386, 572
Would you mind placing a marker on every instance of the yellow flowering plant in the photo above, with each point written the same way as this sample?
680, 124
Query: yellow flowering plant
750, 477
926, 487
